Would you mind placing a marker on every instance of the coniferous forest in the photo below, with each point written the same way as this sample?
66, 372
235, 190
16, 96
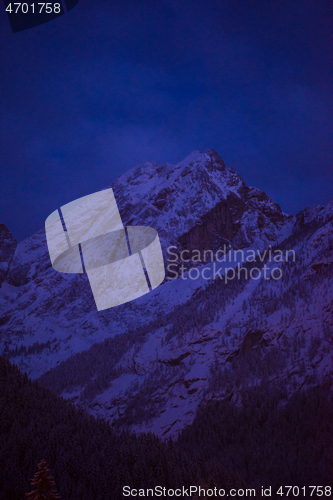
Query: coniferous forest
88, 460
261, 443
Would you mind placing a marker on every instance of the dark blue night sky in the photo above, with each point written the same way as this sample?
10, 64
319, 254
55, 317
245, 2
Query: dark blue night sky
116, 83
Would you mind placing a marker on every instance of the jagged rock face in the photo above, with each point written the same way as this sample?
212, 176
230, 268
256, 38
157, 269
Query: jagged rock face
173, 199
185, 340
311, 215
199, 204
248, 218
217, 228
31, 259
8, 245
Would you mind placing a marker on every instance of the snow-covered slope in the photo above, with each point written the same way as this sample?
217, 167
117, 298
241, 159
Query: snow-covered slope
148, 364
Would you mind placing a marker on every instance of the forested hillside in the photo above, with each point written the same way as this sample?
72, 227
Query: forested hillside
88, 460
270, 440
260, 442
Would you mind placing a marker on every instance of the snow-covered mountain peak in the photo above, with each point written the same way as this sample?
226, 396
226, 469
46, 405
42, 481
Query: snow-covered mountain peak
177, 343
210, 162
174, 198
196, 157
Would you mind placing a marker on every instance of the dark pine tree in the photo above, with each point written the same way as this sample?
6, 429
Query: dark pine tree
44, 484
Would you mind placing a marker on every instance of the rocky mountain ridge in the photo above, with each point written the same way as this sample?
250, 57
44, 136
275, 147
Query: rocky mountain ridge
150, 363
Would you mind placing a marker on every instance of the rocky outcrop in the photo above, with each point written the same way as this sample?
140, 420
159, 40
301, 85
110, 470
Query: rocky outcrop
8, 245
248, 218
216, 228
251, 339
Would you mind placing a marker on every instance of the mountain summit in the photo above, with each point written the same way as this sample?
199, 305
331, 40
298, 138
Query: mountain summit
199, 202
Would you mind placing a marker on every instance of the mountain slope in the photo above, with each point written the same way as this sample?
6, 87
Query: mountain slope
225, 338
